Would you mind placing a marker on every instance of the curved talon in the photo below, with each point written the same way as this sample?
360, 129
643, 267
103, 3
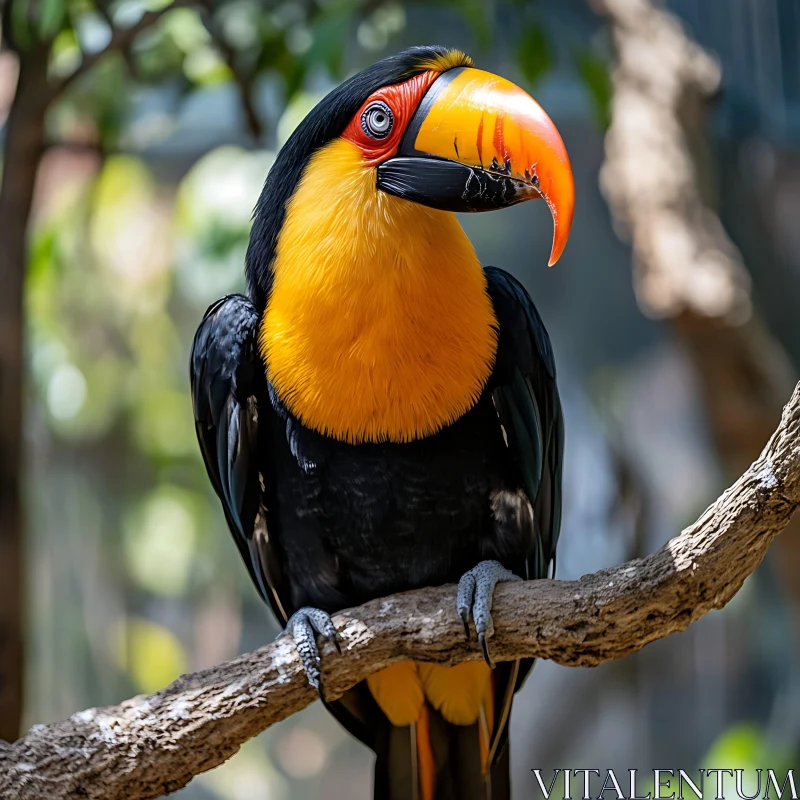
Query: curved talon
485, 650
465, 598
321, 690
475, 593
465, 620
336, 641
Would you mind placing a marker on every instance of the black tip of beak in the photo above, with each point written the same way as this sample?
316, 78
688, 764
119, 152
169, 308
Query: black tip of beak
448, 185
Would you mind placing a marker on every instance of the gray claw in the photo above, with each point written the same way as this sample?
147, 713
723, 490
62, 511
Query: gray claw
485, 650
303, 626
464, 614
475, 592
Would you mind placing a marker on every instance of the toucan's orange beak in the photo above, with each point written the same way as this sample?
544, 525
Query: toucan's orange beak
478, 142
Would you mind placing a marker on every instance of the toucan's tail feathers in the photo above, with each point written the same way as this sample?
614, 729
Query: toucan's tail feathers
437, 734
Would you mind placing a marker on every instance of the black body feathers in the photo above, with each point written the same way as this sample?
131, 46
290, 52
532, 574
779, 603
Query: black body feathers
350, 522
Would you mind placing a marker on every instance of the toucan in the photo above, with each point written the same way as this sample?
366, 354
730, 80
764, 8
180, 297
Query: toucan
380, 412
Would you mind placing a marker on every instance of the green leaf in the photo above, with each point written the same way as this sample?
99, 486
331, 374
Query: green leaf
65, 53
295, 77
594, 72
534, 53
52, 14
204, 66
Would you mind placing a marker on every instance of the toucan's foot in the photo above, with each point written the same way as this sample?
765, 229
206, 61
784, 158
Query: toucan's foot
303, 626
475, 592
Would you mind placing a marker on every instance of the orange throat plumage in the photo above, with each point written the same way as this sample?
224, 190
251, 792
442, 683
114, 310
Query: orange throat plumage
378, 325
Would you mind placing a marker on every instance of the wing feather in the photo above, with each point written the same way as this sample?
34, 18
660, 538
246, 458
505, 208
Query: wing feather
229, 393
526, 399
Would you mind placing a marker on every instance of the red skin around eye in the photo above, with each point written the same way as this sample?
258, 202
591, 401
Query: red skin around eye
403, 99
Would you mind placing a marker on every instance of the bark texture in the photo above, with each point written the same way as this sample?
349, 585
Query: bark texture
151, 745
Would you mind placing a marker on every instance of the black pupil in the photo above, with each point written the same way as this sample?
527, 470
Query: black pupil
377, 121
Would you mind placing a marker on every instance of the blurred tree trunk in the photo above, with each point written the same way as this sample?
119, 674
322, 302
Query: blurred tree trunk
23, 150
24, 144
658, 178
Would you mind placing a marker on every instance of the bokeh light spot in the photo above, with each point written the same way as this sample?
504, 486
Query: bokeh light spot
66, 392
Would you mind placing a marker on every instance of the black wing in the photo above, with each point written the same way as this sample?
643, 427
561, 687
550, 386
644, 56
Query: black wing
526, 398
229, 392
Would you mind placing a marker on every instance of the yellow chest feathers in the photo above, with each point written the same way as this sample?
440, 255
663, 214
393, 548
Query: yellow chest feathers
378, 326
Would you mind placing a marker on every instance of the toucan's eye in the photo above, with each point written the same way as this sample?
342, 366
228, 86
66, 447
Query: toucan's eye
377, 120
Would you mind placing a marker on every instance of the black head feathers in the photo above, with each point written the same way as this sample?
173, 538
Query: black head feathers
325, 122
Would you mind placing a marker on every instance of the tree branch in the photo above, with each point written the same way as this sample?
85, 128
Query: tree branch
126, 50
242, 79
151, 745
121, 40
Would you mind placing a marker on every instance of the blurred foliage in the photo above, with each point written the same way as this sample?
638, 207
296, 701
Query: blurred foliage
749, 747
213, 220
533, 53
594, 71
150, 652
743, 746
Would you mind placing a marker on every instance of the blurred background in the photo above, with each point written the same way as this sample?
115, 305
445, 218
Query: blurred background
136, 139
